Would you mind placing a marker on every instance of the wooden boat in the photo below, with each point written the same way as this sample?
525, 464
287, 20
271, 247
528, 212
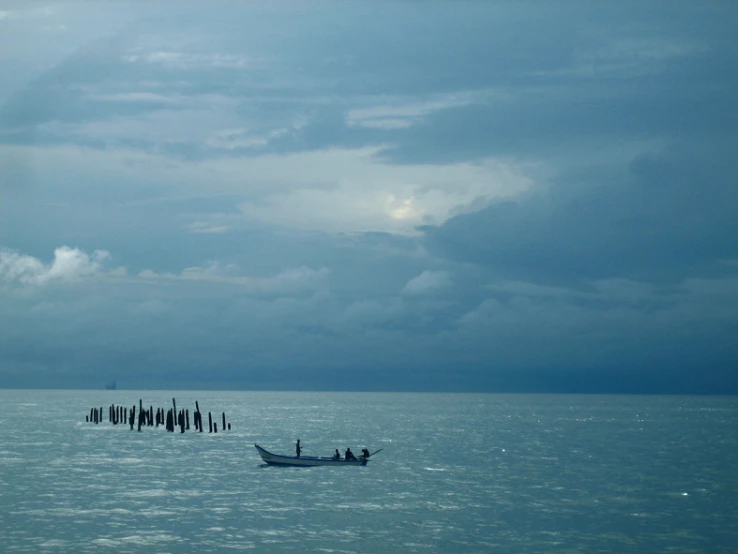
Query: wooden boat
307, 461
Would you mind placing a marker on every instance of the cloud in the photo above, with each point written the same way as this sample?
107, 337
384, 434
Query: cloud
335, 190
290, 281
207, 228
668, 215
34, 13
399, 113
69, 265
428, 282
440, 198
626, 58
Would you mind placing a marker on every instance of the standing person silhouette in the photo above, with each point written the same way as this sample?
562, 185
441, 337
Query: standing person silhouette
298, 450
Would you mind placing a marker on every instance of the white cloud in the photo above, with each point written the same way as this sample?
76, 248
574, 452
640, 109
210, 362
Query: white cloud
189, 60
69, 265
203, 227
427, 282
140, 96
35, 13
289, 281
398, 113
626, 58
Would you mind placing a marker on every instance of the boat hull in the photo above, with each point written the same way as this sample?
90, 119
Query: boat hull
304, 461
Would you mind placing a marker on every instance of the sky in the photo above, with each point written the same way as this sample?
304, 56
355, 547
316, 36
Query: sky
383, 196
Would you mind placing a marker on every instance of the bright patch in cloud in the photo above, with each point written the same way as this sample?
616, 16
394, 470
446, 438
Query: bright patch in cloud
334, 190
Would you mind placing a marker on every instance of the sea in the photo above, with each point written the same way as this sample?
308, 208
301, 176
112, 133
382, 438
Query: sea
456, 473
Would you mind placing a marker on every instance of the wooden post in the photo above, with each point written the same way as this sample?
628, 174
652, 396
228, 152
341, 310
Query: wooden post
198, 417
215, 427
210, 422
223, 428
187, 418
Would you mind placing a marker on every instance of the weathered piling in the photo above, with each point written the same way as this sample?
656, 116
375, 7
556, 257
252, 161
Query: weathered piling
198, 417
172, 418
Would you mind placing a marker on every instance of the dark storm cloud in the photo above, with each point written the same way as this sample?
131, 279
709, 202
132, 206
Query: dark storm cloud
669, 215
167, 137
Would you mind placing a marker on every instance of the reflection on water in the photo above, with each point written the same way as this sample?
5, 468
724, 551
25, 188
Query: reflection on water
458, 473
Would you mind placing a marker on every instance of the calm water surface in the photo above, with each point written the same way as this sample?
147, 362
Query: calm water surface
458, 473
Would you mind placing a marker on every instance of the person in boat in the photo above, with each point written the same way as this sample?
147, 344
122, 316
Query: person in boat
349, 455
365, 453
298, 450
337, 455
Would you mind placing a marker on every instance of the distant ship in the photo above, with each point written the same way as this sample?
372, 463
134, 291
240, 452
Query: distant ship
110, 386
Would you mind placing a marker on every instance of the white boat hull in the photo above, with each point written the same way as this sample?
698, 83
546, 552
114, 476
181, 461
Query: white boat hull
305, 461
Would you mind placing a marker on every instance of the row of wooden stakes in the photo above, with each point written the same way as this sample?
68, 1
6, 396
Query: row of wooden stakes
148, 418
